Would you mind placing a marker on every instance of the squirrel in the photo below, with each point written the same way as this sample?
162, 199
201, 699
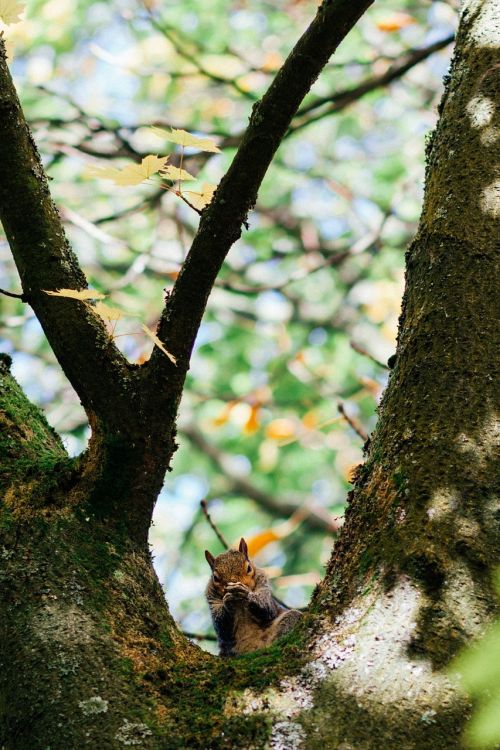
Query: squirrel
245, 614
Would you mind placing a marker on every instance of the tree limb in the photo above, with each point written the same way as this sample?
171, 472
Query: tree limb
45, 261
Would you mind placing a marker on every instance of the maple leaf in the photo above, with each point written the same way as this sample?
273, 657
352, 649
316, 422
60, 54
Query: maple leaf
83, 294
132, 174
202, 199
10, 11
175, 174
185, 139
158, 343
106, 312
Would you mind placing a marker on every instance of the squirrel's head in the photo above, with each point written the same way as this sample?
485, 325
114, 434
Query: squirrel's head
233, 566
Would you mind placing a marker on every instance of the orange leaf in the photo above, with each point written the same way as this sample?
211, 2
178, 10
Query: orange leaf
253, 423
395, 22
275, 533
261, 540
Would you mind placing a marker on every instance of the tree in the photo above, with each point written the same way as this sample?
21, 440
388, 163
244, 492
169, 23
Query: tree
90, 654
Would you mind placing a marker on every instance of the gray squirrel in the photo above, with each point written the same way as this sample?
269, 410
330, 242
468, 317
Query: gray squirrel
245, 614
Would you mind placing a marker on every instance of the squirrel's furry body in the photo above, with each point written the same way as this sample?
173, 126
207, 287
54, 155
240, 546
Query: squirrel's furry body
245, 614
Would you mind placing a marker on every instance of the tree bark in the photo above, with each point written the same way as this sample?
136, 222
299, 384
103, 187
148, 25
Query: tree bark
89, 654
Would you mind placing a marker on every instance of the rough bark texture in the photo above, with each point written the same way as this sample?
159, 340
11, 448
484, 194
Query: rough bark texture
89, 655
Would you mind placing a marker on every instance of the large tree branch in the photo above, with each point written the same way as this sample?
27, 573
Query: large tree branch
221, 223
45, 261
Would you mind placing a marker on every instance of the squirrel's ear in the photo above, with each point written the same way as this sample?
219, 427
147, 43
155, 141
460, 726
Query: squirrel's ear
210, 558
243, 547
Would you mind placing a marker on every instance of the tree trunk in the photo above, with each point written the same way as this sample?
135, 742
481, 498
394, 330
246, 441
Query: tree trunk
89, 654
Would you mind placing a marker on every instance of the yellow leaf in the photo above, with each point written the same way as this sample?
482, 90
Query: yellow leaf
83, 294
132, 174
10, 11
158, 343
395, 22
281, 429
200, 200
183, 138
107, 312
175, 174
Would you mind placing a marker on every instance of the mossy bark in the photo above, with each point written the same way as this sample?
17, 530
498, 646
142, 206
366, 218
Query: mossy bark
89, 654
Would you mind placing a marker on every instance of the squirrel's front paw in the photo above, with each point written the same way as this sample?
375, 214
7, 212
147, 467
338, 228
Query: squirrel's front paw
237, 590
231, 600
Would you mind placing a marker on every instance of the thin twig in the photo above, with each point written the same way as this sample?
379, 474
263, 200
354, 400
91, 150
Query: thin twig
356, 426
218, 534
199, 636
360, 350
22, 297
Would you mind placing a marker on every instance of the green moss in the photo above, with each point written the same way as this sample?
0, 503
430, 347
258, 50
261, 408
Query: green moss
365, 561
400, 480
30, 450
200, 694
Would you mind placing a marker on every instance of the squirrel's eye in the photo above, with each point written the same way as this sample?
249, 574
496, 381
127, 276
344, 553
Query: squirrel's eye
216, 577
249, 568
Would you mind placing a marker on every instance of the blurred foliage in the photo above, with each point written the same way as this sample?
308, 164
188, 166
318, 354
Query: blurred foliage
479, 669
320, 267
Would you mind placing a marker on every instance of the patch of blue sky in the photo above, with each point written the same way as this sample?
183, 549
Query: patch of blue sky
318, 337
208, 332
274, 307
301, 155
333, 227
367, 211
241, 20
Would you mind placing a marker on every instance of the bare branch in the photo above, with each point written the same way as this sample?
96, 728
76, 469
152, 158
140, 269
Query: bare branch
356, 426
220, 537
22, 297
360, 350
